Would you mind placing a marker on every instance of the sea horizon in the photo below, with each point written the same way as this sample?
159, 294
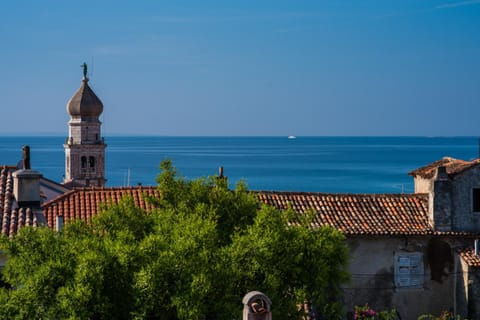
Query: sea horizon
329, 164
65, 134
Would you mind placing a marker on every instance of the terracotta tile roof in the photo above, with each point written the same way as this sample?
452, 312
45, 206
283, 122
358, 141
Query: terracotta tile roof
359, 214
453, 166
468, 255
353, 214
13, 218
85, 203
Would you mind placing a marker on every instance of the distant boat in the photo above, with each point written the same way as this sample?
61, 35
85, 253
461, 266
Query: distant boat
292, 137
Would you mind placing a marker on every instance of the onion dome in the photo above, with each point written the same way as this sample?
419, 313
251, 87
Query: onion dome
84, 102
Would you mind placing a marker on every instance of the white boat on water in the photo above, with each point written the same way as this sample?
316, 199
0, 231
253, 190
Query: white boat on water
292, 137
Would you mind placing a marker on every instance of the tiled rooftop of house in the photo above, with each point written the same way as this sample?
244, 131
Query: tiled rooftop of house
359, 214
13, 218
353, 214
453, 167
470, 258
85, 203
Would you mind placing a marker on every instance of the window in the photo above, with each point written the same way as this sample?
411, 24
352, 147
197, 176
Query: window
476, 199
409, 271
84, 162
91, 164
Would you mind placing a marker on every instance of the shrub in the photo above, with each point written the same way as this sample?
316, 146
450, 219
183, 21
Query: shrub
367, 313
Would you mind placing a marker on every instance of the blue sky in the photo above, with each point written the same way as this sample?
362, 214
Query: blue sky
190, 67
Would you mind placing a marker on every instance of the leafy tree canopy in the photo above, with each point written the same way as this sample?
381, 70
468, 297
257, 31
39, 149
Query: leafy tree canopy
193, 257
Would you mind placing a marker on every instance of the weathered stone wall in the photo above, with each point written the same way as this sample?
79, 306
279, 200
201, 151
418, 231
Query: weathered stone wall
474, 293
84, 132
372, 271
463, 217
73, 167
442, 202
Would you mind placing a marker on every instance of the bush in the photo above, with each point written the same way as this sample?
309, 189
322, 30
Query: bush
445, 315
367, 313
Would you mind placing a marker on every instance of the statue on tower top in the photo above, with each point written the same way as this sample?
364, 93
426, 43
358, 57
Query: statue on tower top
84, 66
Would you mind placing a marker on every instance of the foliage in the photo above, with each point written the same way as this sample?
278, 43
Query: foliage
193, 257
445, 315
367, 313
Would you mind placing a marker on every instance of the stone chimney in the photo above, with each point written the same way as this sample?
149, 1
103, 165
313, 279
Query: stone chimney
441, 208
26, 183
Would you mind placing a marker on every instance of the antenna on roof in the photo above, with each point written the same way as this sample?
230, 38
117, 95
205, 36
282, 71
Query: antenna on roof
92, 68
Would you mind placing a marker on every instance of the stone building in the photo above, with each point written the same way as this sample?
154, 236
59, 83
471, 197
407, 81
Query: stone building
408, 251
85, 146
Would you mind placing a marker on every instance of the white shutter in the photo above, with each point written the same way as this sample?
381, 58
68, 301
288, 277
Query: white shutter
409, 271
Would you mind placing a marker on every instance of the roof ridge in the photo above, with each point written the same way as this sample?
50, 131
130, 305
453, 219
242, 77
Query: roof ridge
60, 197
115, 188
339, 194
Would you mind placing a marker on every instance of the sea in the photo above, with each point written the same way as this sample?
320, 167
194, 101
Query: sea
309, 164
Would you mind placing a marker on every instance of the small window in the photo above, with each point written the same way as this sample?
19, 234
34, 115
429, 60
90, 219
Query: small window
92, 162
409, 271
84, 162
476, 199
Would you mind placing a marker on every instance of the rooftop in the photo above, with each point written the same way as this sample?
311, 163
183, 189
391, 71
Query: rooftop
84, 203
453, 167
470, 258
353, 214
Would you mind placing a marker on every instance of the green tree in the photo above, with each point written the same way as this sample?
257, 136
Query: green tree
194, 256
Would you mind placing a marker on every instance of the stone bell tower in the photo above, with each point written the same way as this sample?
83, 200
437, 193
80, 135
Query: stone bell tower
85, 146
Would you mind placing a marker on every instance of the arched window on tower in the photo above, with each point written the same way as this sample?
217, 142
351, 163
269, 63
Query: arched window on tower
91, 162
83, 165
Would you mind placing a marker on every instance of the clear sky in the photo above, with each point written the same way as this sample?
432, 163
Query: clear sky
244, 67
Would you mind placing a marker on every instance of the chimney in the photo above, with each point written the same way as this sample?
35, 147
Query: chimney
26, 183
220, 172
59, 223
442, 212
442, 173
26, 157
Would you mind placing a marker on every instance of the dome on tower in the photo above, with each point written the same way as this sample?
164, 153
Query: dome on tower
84, 102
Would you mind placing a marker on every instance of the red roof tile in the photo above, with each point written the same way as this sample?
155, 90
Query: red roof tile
359, 214
85, 203
468, 255
453, 166
353, 214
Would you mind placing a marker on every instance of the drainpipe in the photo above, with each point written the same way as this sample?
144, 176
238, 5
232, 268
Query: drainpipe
455, 284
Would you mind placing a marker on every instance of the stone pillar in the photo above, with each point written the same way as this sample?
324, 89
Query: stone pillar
256, 306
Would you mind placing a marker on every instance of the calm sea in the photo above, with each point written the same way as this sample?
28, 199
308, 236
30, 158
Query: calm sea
323, 164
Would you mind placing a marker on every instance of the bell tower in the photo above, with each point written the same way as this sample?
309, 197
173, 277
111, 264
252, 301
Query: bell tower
85, 146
